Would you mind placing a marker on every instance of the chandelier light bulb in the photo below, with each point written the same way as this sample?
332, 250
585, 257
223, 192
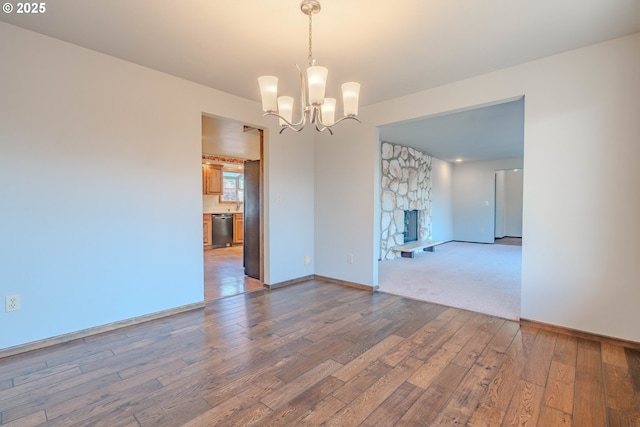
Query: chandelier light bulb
285, 109
328, 110
317, 78
350, 95
269, 93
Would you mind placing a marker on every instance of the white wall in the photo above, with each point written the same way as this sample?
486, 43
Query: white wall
514, 181
344, 224
101, 195
291, 205
98, 154
441, 200
474, 199
587, 126
509, 184
501, 205
580, 251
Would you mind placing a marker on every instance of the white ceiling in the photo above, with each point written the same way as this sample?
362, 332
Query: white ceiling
229, 138
488, 133
392, 48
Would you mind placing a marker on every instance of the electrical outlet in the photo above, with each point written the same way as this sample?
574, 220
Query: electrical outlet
307, 260
350, 259
12, 303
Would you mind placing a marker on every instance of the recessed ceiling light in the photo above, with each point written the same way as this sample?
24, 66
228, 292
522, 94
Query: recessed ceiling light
458, 160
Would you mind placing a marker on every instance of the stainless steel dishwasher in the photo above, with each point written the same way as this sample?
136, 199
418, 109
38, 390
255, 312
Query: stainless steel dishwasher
221, 230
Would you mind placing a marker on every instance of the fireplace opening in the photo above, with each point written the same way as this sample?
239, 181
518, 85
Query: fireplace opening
410, 226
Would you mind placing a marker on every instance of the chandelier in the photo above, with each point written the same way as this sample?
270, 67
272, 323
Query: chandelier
314, 107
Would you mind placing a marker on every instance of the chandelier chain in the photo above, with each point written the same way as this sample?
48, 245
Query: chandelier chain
310, 58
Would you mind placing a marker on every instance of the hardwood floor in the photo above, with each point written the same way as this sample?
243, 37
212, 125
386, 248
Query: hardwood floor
224, 274
317, 353
515, 241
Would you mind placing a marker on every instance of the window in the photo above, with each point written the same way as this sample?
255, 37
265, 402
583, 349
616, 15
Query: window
232, 187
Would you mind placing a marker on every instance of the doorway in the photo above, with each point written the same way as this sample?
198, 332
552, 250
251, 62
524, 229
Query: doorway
466, 147
232, 168
508, 199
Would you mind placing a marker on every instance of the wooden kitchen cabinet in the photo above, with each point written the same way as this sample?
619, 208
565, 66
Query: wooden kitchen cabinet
211, 179
238, 228
206, 229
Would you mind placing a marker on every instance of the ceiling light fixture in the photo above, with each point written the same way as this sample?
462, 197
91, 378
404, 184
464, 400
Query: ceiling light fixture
315, 109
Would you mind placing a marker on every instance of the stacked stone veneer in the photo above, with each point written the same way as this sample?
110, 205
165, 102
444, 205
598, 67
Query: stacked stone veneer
406, 185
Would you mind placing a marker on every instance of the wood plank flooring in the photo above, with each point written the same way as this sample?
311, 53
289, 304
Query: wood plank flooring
515, 241
224, 274
317, 353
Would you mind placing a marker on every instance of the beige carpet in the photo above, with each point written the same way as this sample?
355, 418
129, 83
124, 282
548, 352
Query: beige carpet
479, 277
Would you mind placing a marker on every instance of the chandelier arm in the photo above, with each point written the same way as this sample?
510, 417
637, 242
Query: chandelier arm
283, 128
346, 118
288, 124
322, 128
319, 121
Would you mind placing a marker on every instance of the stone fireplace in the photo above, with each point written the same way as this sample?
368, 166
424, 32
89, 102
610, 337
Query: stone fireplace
405, 186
